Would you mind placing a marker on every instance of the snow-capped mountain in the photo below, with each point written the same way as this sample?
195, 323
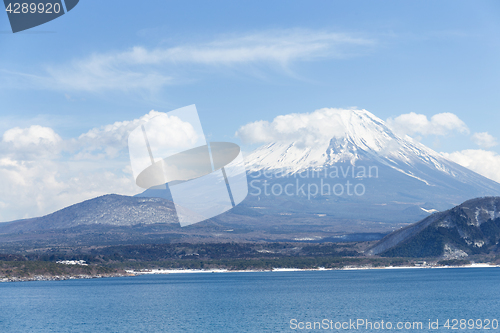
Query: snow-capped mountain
364, 137
409, 180
359, 177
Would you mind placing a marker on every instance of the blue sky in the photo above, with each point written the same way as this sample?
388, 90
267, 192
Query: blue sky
239, 62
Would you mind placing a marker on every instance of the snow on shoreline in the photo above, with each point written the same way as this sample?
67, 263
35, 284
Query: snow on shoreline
190, 271
184, 271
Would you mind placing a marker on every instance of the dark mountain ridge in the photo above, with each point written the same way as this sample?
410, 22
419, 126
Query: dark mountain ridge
468, 229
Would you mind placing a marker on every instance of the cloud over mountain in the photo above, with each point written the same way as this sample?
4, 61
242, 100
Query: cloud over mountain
484, 162
304, 128
418, 124
484, 140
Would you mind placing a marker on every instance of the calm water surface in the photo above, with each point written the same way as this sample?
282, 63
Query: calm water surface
252, 302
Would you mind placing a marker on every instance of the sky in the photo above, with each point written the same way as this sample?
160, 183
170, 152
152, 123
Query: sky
72, 89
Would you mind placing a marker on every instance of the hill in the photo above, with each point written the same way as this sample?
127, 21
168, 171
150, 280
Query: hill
469, 229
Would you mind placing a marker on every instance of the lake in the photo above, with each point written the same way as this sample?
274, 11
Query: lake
259, 302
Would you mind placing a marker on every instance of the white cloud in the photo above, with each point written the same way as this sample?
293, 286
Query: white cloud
32, 136
33, 142
484, 139
34, 188
165, 133
417, 124
260, 131
141, 68
109, 139
484, 162
40, 172
323, 124
272, 46
304, 128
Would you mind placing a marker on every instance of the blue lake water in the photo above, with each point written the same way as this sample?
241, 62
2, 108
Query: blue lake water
256, 302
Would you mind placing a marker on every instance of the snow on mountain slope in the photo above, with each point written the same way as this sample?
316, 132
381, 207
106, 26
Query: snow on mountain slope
411, 180
110, 209
360, 136
470, 228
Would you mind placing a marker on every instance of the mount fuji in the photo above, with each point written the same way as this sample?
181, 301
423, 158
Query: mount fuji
359, 171
346, 177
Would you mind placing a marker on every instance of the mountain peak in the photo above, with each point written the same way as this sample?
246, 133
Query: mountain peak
408, 178
342, 136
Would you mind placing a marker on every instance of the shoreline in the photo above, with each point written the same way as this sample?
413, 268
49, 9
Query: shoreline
194, 271
133, 273
59, 277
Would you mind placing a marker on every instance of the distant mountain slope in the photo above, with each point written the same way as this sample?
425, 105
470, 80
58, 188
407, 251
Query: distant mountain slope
115, 219
110, 210
470, 228
409, 180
